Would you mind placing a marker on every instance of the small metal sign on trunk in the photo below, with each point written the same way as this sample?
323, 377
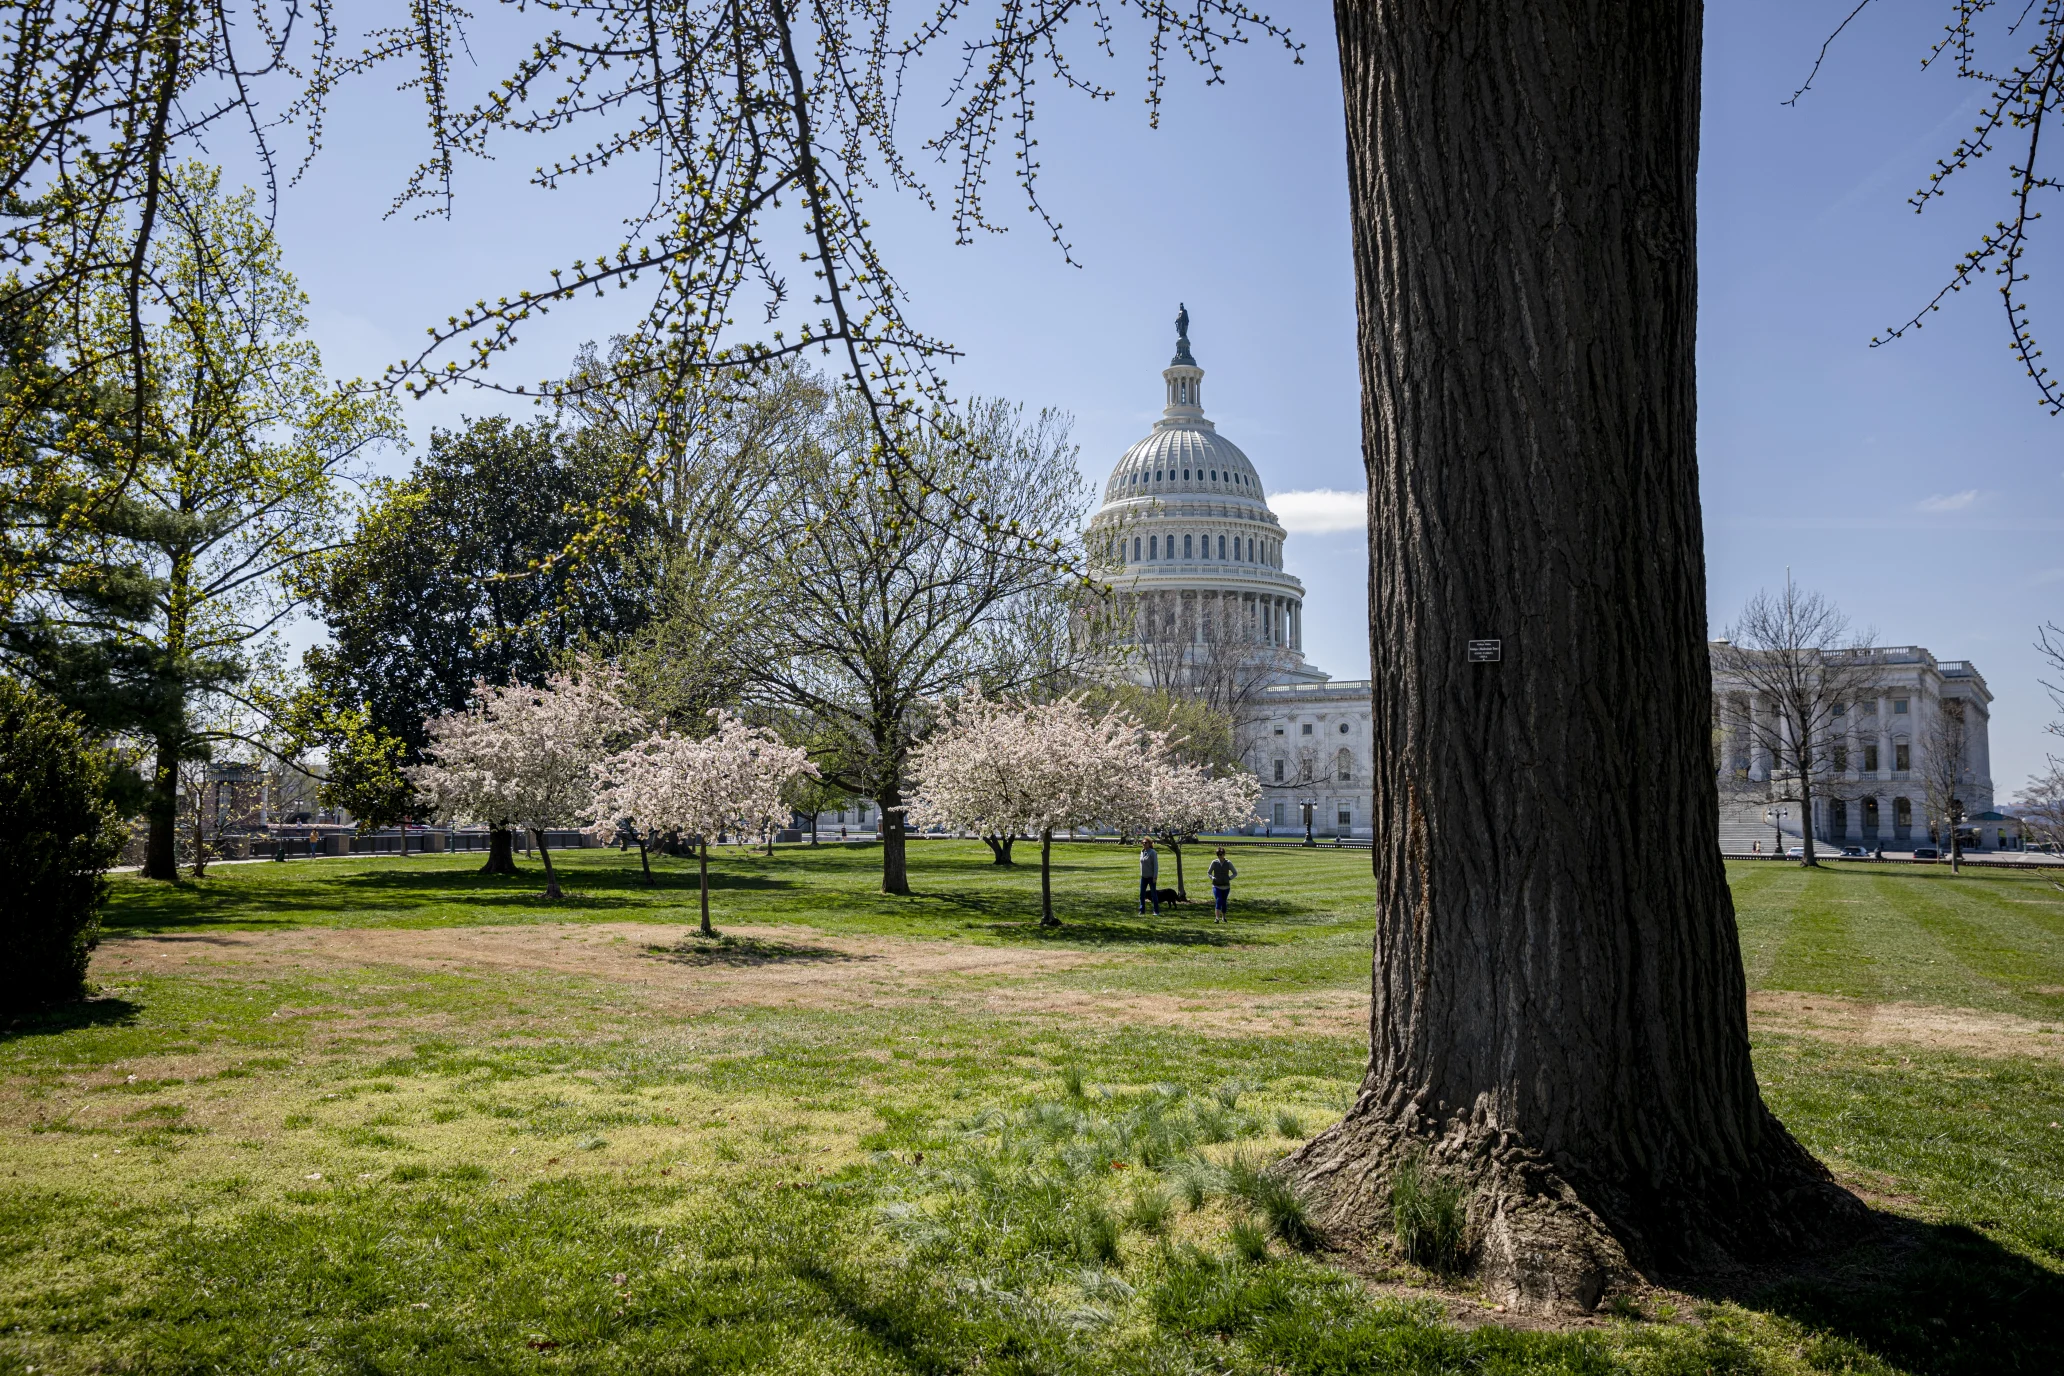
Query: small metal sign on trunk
1486, 651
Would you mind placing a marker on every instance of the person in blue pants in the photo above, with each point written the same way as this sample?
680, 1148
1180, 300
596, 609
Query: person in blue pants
1222, 876
1150, 877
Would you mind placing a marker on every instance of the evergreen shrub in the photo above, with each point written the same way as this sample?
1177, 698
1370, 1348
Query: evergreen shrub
59, 832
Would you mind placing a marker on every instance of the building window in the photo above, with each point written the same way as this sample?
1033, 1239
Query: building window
1185, 546
1221, 546
1135, 549
1346, 819
1902, 818
1841, 709
1279, 728
1250, 549
1343, 766
1841, 759
1186, 475
1153, 547
1870, 759
1343, 728
1279, 779
1305, 729
1277, 814
1898, 706
1902, 757
1236, 549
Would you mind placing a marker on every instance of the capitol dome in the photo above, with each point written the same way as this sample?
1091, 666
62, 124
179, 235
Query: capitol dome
1195, 552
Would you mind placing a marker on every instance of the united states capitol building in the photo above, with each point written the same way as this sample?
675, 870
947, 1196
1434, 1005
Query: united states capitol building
1205, 607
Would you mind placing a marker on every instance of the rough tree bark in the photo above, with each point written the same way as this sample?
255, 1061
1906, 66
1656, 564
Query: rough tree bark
1000, 849
161, 812
895, 869
1557, 1023
501, 849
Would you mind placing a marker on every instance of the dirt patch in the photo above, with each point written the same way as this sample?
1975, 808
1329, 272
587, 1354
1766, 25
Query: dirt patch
1967, 1030
803, 968
749, 967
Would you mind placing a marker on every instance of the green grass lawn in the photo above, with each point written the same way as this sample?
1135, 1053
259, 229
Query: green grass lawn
392, 1116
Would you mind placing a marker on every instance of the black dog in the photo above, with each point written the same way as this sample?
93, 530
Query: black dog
1166, 896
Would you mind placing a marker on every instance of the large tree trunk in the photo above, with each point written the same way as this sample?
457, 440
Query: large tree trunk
895, 868
161, 843
1182, 890
1000, 849
1555, 1021
501, 849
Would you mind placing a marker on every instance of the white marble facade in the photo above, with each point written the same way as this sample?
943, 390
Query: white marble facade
1871, 790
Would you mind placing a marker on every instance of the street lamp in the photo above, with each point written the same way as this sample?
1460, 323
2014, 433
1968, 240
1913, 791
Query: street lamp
1775, 816
1309, 807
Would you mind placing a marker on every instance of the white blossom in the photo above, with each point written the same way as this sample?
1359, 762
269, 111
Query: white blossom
728, 781
1003, 768
523, 756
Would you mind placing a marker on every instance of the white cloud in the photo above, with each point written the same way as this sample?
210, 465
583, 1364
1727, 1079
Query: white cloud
1953, 501
1321, 511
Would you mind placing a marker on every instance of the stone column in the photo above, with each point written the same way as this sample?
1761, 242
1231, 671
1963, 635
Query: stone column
1759, 753
1850, 744
1884, 750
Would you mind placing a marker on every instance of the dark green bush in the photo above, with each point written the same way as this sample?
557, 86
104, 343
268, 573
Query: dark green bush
59, 831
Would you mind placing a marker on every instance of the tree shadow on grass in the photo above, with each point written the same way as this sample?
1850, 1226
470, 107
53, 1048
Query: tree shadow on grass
1941, 1299
70, 1017
291, 898
746, 951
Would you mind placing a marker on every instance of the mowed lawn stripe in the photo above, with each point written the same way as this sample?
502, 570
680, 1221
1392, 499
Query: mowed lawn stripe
1807, 926
1981, 954
1760, 916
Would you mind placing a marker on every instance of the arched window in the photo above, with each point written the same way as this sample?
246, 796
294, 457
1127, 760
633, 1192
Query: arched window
1221, 546
1153, 547
1236, 549
1186, 475
1185, 546
1135, 549
1343, 765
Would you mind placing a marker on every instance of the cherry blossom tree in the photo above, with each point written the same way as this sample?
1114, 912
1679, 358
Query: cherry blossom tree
1183, 799
525, 757
732, 780
1002, 768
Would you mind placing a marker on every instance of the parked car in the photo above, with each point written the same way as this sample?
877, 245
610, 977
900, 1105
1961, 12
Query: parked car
1855, 852
1926, 853
1796, 853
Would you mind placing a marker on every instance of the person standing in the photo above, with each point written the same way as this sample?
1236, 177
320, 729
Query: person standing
1150, 877
1222, 876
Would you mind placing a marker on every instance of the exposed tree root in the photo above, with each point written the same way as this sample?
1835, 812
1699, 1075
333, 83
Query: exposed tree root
1544, 1241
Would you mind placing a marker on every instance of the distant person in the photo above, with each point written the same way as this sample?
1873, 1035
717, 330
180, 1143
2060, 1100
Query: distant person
1149, 877
1222, 876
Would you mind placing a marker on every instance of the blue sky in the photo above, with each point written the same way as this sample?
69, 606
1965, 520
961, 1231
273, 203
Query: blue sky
1918, 485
